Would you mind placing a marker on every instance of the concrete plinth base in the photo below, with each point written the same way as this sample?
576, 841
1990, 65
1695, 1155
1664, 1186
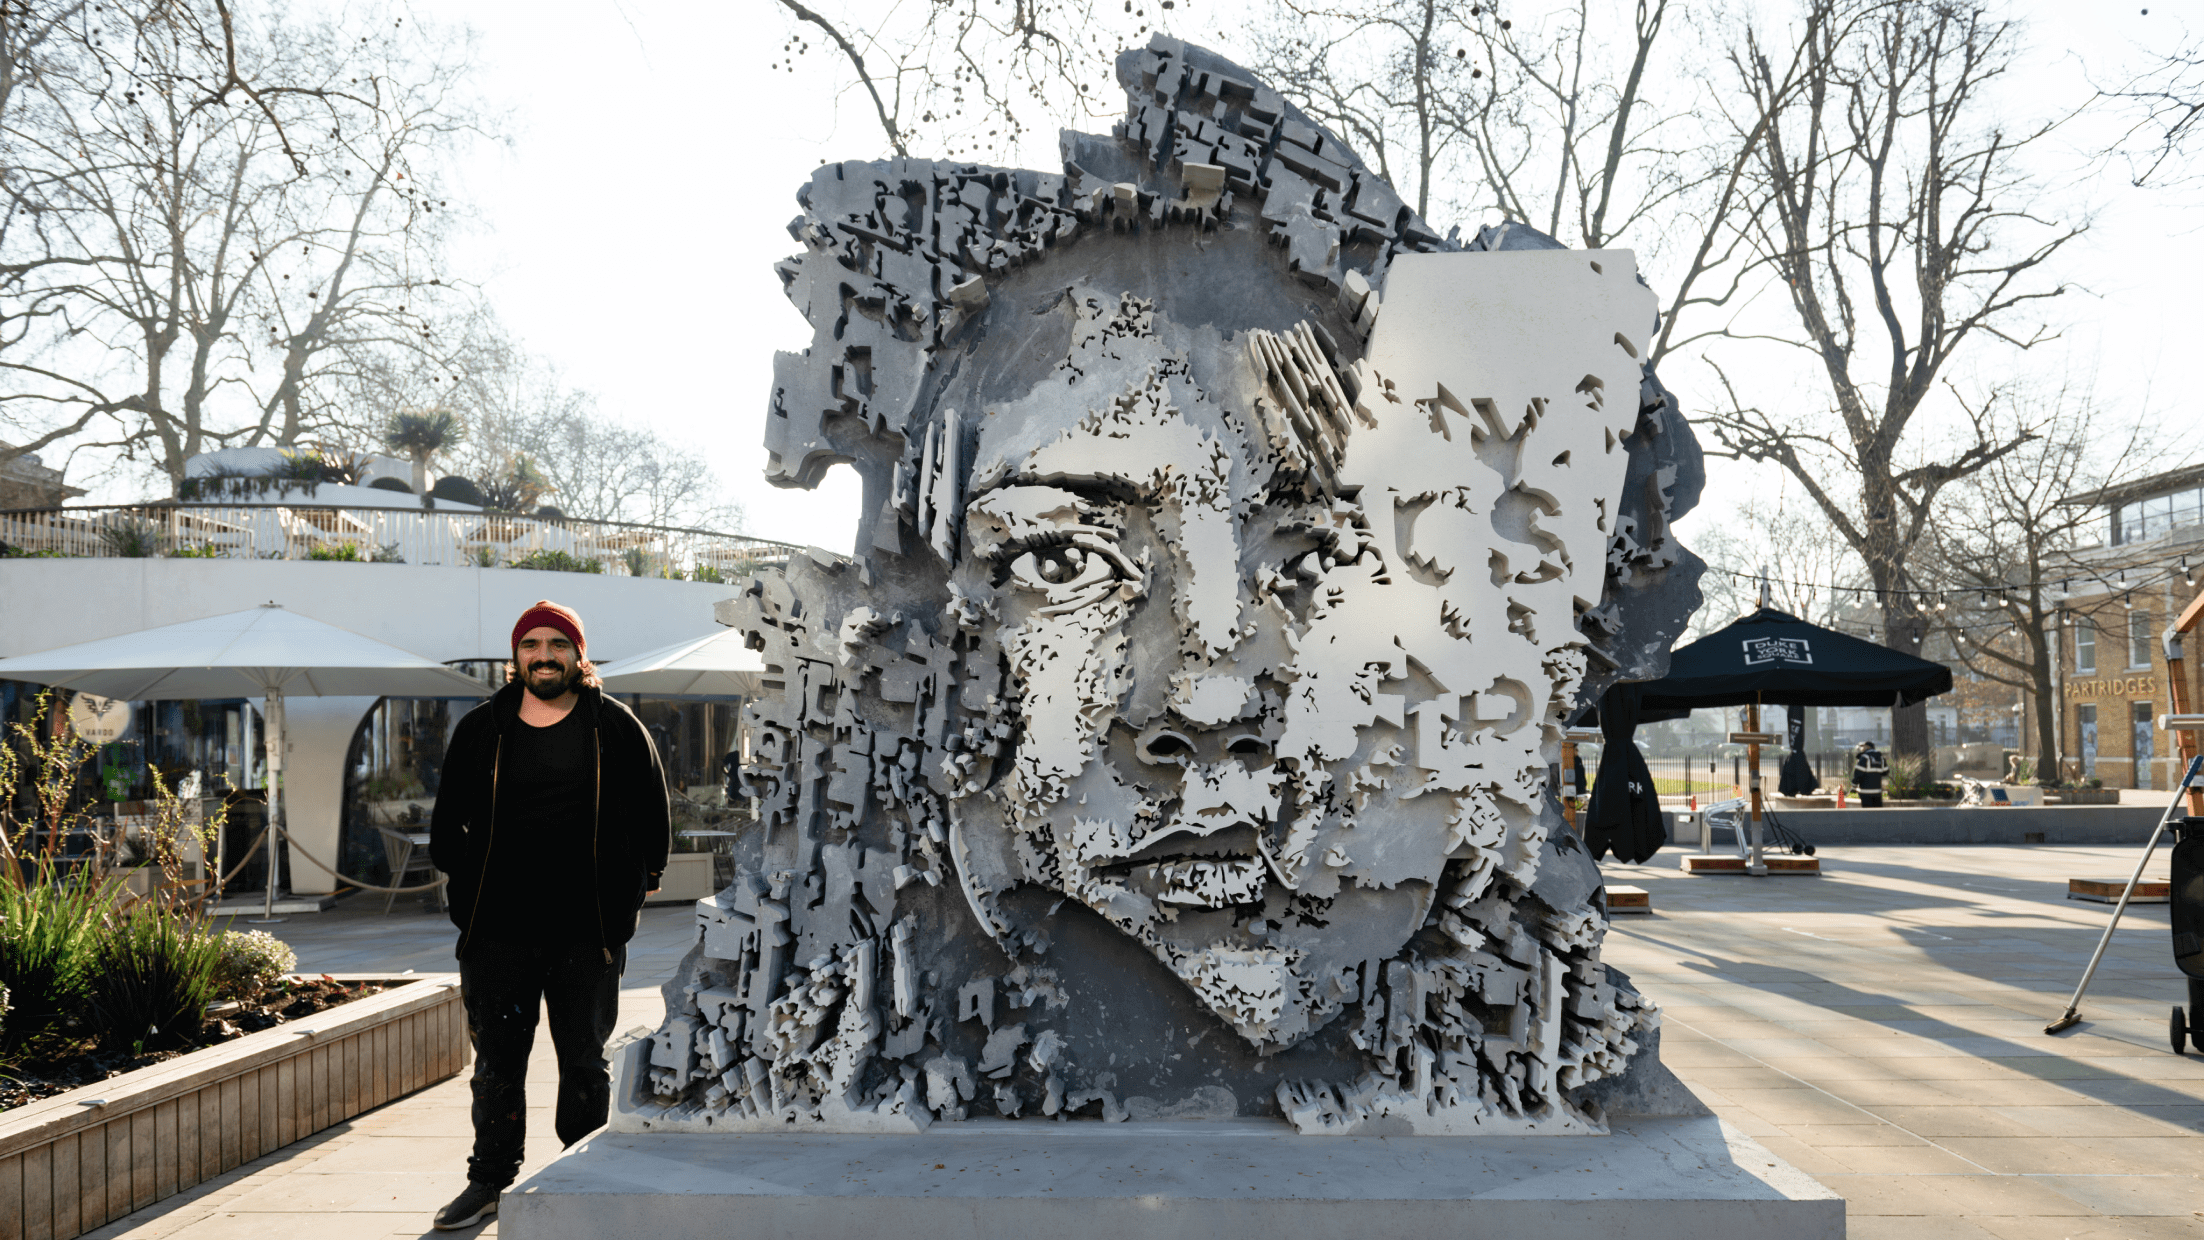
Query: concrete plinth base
1686, 1178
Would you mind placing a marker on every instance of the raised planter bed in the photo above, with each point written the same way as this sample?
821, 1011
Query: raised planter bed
75, 1161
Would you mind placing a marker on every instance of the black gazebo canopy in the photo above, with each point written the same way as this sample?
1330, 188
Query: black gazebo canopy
1768, 657
1777, 659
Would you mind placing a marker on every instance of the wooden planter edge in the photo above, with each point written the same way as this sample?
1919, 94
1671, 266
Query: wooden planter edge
50, 1119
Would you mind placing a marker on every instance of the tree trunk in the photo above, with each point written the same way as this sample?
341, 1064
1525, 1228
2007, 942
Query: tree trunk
2049, 761
1903, 629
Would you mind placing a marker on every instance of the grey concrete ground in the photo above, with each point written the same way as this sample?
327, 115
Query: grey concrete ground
1881, 1027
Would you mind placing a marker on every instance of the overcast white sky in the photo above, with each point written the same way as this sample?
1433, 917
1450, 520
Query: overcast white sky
654, 158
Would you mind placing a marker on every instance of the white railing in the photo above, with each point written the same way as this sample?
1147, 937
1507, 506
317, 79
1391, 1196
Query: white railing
386, 535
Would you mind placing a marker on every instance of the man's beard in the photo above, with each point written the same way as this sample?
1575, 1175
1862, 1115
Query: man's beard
551, 690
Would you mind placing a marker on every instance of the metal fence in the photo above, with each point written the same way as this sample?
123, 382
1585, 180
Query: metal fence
1716, 775
385, 535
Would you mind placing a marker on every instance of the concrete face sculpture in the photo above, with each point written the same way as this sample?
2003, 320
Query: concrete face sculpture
1180, 746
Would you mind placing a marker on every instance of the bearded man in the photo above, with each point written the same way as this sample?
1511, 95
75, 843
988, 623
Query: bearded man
552, 823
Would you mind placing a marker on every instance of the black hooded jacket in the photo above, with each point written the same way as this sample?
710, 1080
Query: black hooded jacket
630, 829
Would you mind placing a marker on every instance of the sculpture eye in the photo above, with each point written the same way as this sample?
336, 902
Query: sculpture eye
1071, 574
1058, 565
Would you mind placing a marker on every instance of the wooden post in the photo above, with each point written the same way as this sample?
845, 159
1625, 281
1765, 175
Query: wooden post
2176, 680
1569, 790
1753, 863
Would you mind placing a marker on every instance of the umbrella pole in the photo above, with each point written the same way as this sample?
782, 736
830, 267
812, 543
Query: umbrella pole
1753, 863
273, 729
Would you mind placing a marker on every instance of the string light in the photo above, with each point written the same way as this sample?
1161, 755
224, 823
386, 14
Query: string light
1925, 596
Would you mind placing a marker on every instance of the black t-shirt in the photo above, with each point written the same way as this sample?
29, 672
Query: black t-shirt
539, 882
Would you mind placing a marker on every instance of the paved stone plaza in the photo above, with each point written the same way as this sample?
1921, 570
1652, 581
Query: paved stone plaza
1881, 1027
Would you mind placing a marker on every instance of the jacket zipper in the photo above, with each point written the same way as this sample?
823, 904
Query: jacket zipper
497, 758
596, 809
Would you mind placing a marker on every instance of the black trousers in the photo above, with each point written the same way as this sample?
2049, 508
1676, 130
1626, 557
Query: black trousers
503, 985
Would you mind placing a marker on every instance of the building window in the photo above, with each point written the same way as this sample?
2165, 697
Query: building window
2138, 639
2146, 519
2085, 644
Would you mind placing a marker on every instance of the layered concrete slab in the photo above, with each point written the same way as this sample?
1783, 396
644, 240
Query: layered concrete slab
1691, 1177
1946, 825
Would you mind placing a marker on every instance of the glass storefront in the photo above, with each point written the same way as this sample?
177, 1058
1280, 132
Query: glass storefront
397, 759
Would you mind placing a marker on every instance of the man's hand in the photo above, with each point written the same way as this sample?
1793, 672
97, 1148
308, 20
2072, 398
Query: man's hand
652, 888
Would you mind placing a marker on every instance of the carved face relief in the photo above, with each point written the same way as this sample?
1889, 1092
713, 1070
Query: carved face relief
1175, 743
1256, 721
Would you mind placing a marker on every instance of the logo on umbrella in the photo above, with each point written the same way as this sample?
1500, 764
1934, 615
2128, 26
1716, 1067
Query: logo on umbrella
1777, 650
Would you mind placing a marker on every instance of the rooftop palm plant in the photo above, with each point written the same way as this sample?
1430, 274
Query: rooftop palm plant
421, 435
519, 489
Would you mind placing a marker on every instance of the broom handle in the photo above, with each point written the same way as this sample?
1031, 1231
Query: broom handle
2072, 1015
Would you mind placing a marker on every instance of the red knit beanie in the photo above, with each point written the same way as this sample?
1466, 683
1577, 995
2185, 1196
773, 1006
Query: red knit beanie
549, 615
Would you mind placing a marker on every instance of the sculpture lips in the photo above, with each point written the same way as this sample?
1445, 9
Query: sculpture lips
1208, 882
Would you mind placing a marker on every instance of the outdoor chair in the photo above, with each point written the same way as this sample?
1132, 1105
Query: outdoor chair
408, 859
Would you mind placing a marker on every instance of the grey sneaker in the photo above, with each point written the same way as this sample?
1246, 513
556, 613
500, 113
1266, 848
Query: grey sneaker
468, 1208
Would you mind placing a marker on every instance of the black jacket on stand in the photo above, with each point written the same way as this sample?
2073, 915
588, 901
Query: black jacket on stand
1625, 812
631, 819
1798, 777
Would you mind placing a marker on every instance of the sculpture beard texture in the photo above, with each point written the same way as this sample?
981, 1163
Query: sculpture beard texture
1180, 745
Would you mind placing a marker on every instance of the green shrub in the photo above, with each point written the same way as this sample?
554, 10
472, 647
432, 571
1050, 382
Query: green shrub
205, 551
459, 490
558, 562
302, 465
131, 539
1908, 777
148, 978
387, 483
349, 552
46, 925
705, 572
251, 961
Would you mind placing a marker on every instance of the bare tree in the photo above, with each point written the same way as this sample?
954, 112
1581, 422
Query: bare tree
2164, 106
224, 199
970, 78
1539, 118
1999, 557
1808, 568
1890, 204
532, 436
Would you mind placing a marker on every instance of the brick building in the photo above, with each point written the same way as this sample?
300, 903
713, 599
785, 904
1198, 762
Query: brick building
2112, 668
26, 482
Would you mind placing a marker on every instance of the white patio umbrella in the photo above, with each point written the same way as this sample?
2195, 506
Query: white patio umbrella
718, 666
263, 652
